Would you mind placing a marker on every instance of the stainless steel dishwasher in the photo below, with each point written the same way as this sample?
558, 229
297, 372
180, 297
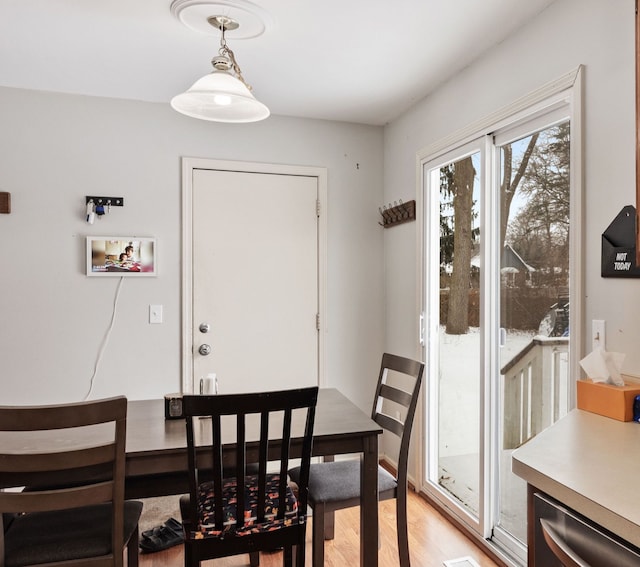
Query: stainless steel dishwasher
565, 538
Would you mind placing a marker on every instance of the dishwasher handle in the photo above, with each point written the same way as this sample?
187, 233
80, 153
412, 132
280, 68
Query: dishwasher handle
560, 547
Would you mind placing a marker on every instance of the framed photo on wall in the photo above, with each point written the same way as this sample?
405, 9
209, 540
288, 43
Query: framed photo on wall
121, 256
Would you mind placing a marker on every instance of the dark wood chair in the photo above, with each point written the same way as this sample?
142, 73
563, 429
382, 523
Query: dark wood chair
80, 449
336, 485
270, 515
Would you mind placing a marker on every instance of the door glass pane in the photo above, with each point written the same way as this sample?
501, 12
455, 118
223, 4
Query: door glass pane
534, 301
458, 407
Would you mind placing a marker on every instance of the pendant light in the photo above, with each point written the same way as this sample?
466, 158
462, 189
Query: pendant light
222, 95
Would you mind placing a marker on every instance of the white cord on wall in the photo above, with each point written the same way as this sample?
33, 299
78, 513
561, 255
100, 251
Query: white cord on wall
105, 340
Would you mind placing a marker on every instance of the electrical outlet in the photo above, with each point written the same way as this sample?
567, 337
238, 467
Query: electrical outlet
598, 335
155, 314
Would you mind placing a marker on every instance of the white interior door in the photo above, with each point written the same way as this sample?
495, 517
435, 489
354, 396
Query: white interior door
255, 279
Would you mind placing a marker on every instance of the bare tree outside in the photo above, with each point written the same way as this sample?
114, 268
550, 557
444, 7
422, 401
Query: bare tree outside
510, 182
540, 230
457, 181
458, 236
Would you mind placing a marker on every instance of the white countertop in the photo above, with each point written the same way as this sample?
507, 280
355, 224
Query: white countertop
590, 463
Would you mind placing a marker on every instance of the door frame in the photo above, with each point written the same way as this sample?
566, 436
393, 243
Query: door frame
189, 164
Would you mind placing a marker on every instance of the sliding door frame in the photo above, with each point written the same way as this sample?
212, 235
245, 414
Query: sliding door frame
566, 90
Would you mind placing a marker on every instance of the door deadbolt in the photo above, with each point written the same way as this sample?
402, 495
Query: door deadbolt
204, 327
204, 350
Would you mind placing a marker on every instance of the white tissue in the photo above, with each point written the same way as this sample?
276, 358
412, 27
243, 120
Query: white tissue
603, 366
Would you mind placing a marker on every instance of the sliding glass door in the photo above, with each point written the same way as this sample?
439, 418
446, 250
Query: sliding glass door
535, 202
455, 286
496, 300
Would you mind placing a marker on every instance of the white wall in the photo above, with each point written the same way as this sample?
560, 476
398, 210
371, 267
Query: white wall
56, 148
595, 33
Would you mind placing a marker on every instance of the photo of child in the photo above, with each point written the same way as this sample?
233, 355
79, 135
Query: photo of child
119, 256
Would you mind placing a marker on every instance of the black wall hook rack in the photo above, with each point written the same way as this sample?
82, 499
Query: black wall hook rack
397, 213
105, 201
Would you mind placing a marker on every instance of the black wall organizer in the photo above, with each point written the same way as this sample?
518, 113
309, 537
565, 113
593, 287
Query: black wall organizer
619, 246
105, 201
397, 213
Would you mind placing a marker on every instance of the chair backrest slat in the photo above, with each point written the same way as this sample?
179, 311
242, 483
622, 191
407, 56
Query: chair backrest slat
49, 500
263, 459
65, 416
42, 461
389, 423
395, 395
284, 461
216, 429
241, 458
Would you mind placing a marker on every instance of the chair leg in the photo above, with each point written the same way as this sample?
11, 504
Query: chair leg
401, 526
299, 555
189, 557
254, 558
329, 525
132, 549
317, 536
287, 556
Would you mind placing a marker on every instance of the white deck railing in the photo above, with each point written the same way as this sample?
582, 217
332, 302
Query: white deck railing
534, 393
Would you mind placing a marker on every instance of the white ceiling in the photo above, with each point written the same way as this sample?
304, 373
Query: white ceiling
362, 61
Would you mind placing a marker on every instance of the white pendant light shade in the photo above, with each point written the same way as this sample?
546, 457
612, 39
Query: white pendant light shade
220, 97
224, 95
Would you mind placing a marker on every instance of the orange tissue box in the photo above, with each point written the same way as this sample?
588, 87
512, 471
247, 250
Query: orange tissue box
608, 400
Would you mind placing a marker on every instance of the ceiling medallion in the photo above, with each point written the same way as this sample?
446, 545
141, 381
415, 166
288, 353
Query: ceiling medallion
195, 14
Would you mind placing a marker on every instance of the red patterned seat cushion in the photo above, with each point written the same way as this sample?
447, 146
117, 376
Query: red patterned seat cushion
206, 504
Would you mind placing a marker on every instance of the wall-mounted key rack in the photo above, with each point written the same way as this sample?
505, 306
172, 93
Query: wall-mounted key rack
397, 213
98, 206
105, 201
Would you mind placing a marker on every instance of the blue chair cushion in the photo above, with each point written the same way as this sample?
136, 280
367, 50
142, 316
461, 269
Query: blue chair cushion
206, 508
340, 480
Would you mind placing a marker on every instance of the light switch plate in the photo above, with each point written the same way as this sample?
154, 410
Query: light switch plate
155, 314
598, 334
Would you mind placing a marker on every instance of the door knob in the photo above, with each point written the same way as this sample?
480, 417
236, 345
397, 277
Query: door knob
204, 327
204, 350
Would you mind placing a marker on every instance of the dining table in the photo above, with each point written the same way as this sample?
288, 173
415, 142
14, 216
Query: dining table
156, 453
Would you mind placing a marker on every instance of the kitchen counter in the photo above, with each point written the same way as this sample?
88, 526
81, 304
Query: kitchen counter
591, 464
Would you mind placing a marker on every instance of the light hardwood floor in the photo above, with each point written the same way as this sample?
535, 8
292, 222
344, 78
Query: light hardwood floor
432, 540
